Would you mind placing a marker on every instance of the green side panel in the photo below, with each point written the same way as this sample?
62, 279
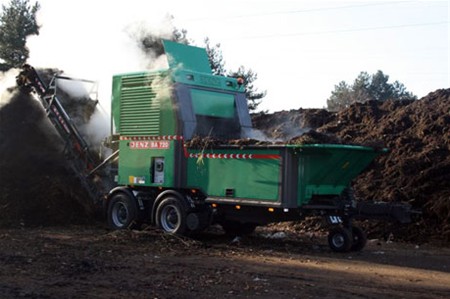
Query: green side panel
186, 57
212, 103
246, 178
328, 169
323, 169
135, 165
141, 105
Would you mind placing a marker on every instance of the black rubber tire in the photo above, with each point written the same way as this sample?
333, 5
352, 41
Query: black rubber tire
235, 228
171, 216
359, 239
340, 239
204, 218
122, 212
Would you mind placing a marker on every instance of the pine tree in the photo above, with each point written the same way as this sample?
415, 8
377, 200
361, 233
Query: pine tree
17, 22
367, 88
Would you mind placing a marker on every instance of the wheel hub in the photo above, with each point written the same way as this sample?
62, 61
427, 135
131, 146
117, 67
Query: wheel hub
338, 240
120, 214
170, 218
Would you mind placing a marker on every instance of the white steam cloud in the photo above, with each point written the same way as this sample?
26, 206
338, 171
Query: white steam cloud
7, 80
77, 89
103, 43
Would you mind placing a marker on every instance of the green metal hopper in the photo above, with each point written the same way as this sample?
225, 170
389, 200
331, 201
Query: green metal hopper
286, 176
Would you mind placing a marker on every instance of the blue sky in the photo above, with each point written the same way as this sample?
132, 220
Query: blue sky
300, 49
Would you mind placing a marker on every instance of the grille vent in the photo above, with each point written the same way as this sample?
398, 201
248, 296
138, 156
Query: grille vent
139, 105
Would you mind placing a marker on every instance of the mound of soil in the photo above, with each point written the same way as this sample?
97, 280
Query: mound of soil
286, 125
37, 187
416, 169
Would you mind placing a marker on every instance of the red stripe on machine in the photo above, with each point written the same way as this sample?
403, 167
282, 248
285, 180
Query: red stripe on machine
235, 156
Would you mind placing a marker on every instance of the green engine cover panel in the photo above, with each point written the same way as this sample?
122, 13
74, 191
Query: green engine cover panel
185, 57
142, 105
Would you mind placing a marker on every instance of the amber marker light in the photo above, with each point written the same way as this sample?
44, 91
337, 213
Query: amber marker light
271, 210
238, 207
214, 205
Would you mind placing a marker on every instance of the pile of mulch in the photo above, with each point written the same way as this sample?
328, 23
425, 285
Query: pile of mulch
37, 186
312, 137
308, 137
416, 169
286, 125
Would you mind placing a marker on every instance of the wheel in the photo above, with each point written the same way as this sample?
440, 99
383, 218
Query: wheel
236, 228
359, 239
340, 239
171, 216
122, 212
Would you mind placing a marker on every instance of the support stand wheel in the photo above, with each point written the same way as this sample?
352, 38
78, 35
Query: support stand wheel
340, 239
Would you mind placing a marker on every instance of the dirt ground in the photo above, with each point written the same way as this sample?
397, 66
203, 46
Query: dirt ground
93, 262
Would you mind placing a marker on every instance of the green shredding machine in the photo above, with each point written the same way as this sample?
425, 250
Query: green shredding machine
173, 174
